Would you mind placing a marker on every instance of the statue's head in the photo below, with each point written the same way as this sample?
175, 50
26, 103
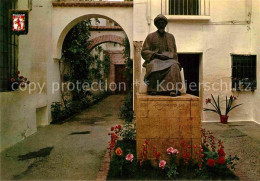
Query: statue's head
160, 22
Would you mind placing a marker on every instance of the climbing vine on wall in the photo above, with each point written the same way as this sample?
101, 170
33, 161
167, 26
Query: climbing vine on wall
106, 64
79, 67
126, 111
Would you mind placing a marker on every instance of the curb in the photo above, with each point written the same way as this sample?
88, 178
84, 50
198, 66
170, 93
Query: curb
103, 171
242, 176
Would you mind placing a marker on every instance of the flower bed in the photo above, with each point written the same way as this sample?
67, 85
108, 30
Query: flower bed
212, 164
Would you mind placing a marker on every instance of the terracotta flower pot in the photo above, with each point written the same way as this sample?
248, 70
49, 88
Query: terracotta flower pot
223, 119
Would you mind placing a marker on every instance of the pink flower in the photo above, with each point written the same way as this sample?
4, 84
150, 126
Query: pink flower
170, 150
129, 157
175, 151
162, 164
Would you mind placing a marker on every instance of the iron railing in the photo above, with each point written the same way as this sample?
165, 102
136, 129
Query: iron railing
187, 7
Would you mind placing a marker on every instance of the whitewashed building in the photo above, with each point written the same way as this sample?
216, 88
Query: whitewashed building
217, 41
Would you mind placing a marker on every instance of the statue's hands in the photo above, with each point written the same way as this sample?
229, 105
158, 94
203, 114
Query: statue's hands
160, 56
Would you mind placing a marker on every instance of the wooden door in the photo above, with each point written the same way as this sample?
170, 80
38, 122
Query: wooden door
120, 79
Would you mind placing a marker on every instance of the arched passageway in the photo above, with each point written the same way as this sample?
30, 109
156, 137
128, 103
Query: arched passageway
105, 38
64, 18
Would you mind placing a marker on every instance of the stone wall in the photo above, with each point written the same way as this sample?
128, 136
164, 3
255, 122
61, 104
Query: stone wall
166, 122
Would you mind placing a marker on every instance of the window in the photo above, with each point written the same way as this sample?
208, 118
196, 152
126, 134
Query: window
244, 72
184, 7
188, 7
8, 46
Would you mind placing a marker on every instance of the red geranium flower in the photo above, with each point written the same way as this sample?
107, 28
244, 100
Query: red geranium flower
119, 126
208, 100
221, 152
146, 142
221, 160
12, 79
211, 162
22, 85
112, 128
158, 155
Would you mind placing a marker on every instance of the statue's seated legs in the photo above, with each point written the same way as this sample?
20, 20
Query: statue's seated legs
165, 82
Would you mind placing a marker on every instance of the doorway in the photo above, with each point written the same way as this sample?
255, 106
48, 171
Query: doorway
120, 78
190, 64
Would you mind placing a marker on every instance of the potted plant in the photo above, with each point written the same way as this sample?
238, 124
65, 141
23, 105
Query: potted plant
216, 106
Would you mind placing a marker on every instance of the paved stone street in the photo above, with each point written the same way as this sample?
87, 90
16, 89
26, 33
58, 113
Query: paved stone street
241, 139
73, 150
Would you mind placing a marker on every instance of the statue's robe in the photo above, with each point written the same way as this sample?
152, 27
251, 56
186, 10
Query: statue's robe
164, 72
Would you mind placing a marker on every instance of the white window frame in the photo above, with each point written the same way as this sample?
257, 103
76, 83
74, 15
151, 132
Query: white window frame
204, 11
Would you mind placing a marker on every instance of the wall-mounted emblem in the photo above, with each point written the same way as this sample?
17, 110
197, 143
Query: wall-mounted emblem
19, 22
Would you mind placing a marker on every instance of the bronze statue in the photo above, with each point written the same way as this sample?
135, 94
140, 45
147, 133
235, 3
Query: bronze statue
161, 61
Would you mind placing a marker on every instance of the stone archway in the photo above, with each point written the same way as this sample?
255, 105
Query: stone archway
105, 38
64, 18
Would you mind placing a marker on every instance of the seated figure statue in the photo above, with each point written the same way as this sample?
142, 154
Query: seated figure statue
161, 61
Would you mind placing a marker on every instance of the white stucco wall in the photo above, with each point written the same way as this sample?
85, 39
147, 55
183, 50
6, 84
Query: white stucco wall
255, 47
38, 51
19, 108
224, 33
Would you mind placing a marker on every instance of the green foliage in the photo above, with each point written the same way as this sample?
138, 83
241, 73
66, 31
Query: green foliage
172, 170
60, 113
216, 105
106, 65
77, 56
126, 111
229, 104
56, 111
129, 132
121, 169
128, 62
84, 68
232, 161
209, 154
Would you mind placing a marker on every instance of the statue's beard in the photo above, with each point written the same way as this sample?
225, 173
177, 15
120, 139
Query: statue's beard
161, 30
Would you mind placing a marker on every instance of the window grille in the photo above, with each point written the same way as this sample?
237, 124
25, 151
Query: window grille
8, 46
188, 7
244, 72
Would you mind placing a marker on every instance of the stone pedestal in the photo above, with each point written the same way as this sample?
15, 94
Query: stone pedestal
166, 121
